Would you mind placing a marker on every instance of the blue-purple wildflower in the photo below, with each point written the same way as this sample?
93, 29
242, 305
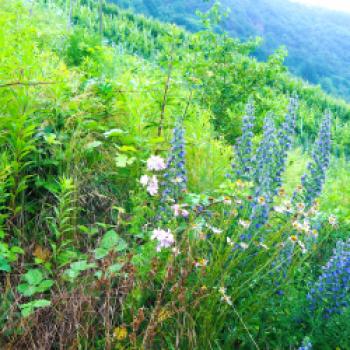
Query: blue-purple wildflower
285, 139
175, 175
330, 293
314, 179
243, 164
264, 173
306, 345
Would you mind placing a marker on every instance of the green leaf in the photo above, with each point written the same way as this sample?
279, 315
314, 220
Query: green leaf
28, 308
44, 286
93, 144
33, 277
26, 289
115, 268
122, 160
126, 148
110, 241
4, 266
113, 132
100, 253
82, 265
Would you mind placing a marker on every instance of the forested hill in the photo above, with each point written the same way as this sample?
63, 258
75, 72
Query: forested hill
317, 40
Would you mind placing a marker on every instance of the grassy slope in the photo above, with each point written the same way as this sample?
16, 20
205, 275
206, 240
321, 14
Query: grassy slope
72, 150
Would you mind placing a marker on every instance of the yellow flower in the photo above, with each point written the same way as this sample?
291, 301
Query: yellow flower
204, 288
234, 213
201, 262
332, 220
163, 315
294, 238
120, 333
314, 232
261, 200
299, 188
240, 183
281, 192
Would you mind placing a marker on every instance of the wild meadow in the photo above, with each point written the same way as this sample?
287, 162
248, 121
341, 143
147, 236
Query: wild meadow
162, 189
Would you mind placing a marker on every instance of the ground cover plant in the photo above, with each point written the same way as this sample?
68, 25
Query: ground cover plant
164, 190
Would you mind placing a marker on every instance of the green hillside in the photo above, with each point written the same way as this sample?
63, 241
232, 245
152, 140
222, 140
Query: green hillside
317, 40
162, 189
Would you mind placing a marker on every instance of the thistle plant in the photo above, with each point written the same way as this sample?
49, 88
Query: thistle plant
330, 291
313, 180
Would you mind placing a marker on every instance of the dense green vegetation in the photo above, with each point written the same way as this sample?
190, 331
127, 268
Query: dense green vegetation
124, 224
317, 40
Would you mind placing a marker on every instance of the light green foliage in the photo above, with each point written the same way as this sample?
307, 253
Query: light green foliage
80, 115
34, 283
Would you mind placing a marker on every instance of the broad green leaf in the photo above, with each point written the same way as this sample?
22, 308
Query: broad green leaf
44, 286
33, 277
28, 308
26, 289
4, 266
82, 265
115, 268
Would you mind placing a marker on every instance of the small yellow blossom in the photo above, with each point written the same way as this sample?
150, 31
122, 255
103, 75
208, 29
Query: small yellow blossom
234, 213
201, 263
204, 288
332, 220
299, 188
120, 333
261, 200
163, 315
222, 290
281, 192
240, 183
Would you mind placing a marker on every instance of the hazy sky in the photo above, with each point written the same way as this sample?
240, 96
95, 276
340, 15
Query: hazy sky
342, 5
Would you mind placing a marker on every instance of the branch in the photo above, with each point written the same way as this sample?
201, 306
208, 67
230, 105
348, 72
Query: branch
165, 97
33, 83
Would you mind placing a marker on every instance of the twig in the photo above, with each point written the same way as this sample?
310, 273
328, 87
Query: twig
165, 97
29, 83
